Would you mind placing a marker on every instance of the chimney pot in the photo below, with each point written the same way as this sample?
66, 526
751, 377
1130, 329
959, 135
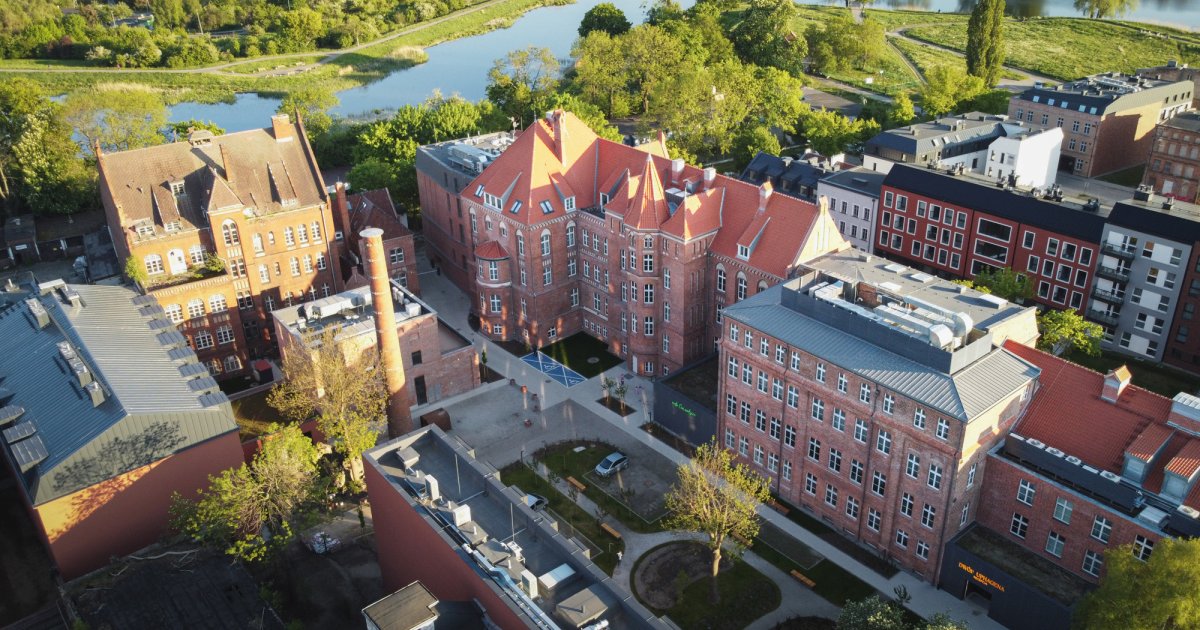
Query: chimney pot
710, 175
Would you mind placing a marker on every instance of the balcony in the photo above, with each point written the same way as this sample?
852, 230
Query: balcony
1108, 296
1126, 253
1108, 319
1113, 273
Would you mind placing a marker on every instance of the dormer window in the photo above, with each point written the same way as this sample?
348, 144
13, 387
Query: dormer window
546, 206
569, 204
145, 228
743, 252
604, 199
174, 226
177, 188
492, 201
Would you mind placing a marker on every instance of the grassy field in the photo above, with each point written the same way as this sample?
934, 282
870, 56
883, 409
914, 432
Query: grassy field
1069, 48
1131, 176
745, 593
924, 57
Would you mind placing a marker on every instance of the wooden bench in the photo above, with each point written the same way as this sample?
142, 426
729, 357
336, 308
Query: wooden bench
745, 543
778, 507
575, 482
611, 532
804, 579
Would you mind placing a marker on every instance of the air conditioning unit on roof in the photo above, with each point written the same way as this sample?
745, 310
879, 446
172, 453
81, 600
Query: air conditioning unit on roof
1189, 512
1035, 443
1074, 460
1113, 477
1055, 452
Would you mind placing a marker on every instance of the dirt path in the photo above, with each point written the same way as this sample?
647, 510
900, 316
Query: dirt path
1010, 84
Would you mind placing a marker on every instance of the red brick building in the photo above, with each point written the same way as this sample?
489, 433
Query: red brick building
374, 209
958, 226
1173, 169
561, 231
869, 394
226, 229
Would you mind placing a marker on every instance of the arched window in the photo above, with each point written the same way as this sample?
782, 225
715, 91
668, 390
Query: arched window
546, 243
520, 244
154, 264
270, 238
232, 363
570, 235
264, 274
302, 231
316, 231
308, 265
258, 243
741, 286
720, 279
762, 286
174, 313
229, 232
216, 304
195, 308
295, 266
289, 237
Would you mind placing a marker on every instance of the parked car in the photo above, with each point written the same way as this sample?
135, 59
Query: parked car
536, 502
612, 464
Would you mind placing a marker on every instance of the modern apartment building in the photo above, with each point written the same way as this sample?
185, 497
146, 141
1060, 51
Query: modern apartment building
563, 232
987, 144
469, 538
225, 229
1173, 168
1094, 463
1107, 119
961, 225
869, 393
853, 197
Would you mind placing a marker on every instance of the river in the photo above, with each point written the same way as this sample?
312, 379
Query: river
460, 66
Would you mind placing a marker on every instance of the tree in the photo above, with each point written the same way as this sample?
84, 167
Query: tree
1098, 9
1067, 330
1159, 593
118, 119
602, 74
901, 112
653, 58
312, 104
605, 17
946, 86
1005, 283
750, 142
522, 82
718, 497
248, 511
830, 133
764, 36
182, 128
871, 613
39, 165
985, 41
345, 393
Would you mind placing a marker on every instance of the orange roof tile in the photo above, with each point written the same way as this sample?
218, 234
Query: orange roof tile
648, 209
1187, 461
1146, 445
1068, 413
491, 250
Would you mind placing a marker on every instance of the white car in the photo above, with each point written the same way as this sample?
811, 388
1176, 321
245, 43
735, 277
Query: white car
611, 464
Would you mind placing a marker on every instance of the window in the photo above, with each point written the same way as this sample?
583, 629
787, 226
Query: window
852, 508
795, 364
760, 420
1101, 529
912, 467
901, 538
874, 519
842, 383
774, 433
648, 263
302, 232
495, 303
860, 430
174, 313
991, 229
1055, 543
856, 471
308, 263
864, 393
818, 410
154, 264
195, 308
1092, 563
545, 241
831, 496
547, 275
648, 326
225, 334
793, 396
906, 504
883, 442
928, 514
839, 420
289, 237
814, 449
789, 436
787, 470
1025, 492
204, 340
321, 265
229, 233
216, 304
971, 475
1019, 525
935, 477
1142, 547
741, 287
820, 374
264, 274
758, 454
810, 483
878, 483
647, 293
196, 254
1062, 510
720, 279
922, 550
835, 460
966, 513
919, 418
776, 389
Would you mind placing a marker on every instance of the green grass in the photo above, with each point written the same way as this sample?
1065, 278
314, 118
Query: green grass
1160, 379
926, 57
574, 352
745, 595
833, 582
1131, 176
897, 76
523, 477
565, 462
1069, 48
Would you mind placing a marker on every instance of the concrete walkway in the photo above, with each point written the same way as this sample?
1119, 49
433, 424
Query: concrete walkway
453, 307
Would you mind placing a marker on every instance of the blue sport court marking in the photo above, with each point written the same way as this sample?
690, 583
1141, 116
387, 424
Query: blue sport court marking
554, 369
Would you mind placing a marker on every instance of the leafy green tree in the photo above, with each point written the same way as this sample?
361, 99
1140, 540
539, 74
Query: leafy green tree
718, 497
182, 128
660, 12
764, 36
780, 101
345, 393
588, 113
248, 511
985, 41
990, 102
522, 83
604, 17
901, 112
116, 119
1062, 331
749, 142
830, 133
1099, 9
602, 74
871, 613
312, 103
840, 43
1005, 283
299, 29
39, 165
653, 58
449, 118
945, 87
704, 108
373, 174
1156, 594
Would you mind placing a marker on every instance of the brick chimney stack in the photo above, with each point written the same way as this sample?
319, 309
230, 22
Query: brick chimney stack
227, 164
281, 128
392, 362
341, 214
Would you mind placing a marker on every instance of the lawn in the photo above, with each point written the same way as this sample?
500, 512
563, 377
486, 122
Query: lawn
520, 475
1157, 378
1131, 176
565, 462
577, 352
847, 546
1069, 48
255, 416
927, 57
745, 594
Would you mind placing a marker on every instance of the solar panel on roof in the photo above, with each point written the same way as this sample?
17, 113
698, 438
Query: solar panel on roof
182, 354
143, 299
19, 431
204, 383
213, 399
10, 414
160, 324
30, 453
193, 369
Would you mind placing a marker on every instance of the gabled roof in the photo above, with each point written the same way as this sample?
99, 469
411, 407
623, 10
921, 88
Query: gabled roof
254, 171
374, 208
155, 403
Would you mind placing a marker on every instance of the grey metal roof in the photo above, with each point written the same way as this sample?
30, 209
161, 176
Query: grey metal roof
860, 180
950, 131
1101, 91
962, 395
149, 410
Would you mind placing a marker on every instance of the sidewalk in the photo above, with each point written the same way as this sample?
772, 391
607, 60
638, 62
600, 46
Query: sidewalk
452, 306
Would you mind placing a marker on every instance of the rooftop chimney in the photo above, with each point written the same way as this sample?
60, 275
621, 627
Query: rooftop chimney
341, 211
764, 195
676, 170
1115, 382
227, 162
281, 128
710, 175
560, 135
398, 412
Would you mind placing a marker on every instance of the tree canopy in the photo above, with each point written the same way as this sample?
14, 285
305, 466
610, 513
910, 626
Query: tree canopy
945, 87
764, 36
605, 17
1063, 331
312, 104
118, 118
1156, 594
985, 41
40, 170
522, 83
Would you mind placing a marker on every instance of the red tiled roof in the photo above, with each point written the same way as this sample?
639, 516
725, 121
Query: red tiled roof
491, 250
1187, 461
648, 207
374, 208
1068, 413
1150, 442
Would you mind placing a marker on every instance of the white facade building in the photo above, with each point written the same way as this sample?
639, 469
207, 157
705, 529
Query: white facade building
1029, 156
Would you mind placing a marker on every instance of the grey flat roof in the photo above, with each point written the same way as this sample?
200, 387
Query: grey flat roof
351, 312
962, 395
1187, 121
407, 608
861, 180
151, 408
948, 131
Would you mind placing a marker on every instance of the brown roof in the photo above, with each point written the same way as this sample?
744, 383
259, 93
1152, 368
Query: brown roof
374, 208
491, 250
254, 171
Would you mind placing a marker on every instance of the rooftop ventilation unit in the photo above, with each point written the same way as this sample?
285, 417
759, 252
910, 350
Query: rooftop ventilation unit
1154, 516
895, 268
19, 431
432, 490
96, 392
66, 351
993, 301
1111, 476
81, 371
10, 414
40, 317
1035, 443
1189, 512
923, 278
70, 295
1055, 452
330, 306
29, 453
1074, 460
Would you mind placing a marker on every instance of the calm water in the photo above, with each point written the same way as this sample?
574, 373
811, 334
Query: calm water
461, 66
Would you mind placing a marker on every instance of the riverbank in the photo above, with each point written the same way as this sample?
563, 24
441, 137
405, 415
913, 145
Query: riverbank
275, 76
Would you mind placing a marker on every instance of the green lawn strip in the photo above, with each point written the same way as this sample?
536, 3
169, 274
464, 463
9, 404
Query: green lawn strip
835, 538
527, 480
574, 352
564, 462
832, 582
1070, 48
897, 19
1160, 379
1131, 176
745, 595
926, 57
